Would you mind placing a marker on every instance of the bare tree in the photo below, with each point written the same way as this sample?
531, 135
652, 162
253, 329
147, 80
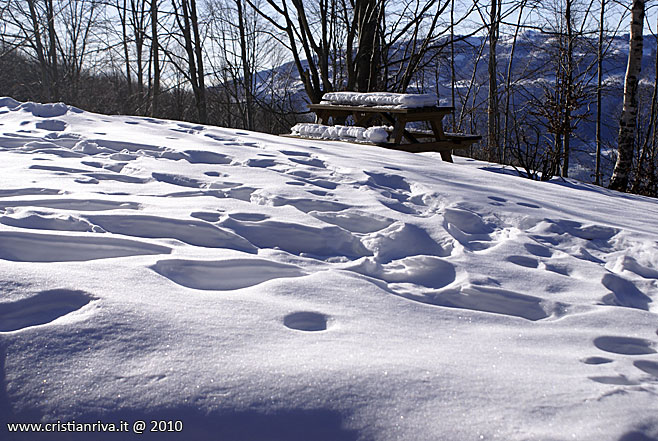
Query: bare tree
493, 110
628, 120
155, 55
508, 82
78, 19
186, 18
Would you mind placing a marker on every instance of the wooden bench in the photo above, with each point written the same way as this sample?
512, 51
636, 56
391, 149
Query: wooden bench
402, 138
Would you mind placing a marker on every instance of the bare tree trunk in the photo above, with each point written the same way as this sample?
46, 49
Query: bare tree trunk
246, 68
122, 11
641, 178
43, 63
568, 76
628, 120
493, 125
368, 50
599, 82
52, 50
137, 20
202, 105
453, 80
156, 58
189, 26
508, 83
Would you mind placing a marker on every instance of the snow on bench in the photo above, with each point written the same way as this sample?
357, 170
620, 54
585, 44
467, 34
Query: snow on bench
402, 100
373, 135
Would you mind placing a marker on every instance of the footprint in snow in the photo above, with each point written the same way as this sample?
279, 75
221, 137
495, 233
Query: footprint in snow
180, 180
497, 201
320, 193
116, 167
248, 217
310, 162
207, 216
295, 153
322, 183
306, 321
624, 345
389, 181
52, 125
597, 360
218, 138
624, 293
260, 163
468, 229
618, 380
206, 157
526, 204
525, 261
637, 436
224, 275
538, 250
42, 308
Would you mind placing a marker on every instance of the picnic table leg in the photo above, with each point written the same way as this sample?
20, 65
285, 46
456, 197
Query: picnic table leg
361, 119
321, 117
437, 128
399, 123
398, 131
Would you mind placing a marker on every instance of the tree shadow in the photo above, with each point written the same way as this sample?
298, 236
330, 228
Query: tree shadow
636, 436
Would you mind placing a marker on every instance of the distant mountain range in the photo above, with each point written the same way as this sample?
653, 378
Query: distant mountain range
533, 71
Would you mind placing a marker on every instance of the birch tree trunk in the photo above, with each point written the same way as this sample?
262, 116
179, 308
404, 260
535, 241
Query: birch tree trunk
628, 120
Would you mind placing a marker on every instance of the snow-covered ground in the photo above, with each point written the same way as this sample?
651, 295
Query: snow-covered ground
264, 288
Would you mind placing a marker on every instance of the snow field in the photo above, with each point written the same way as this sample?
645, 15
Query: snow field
259, 287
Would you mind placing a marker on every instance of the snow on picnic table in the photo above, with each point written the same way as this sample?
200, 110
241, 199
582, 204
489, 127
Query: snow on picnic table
402, 100
264, 288
378, 134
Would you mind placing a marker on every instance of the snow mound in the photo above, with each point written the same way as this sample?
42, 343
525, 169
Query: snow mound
342, 133
47, 110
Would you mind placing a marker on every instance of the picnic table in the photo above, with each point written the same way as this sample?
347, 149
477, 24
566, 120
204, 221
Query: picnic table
401, 138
